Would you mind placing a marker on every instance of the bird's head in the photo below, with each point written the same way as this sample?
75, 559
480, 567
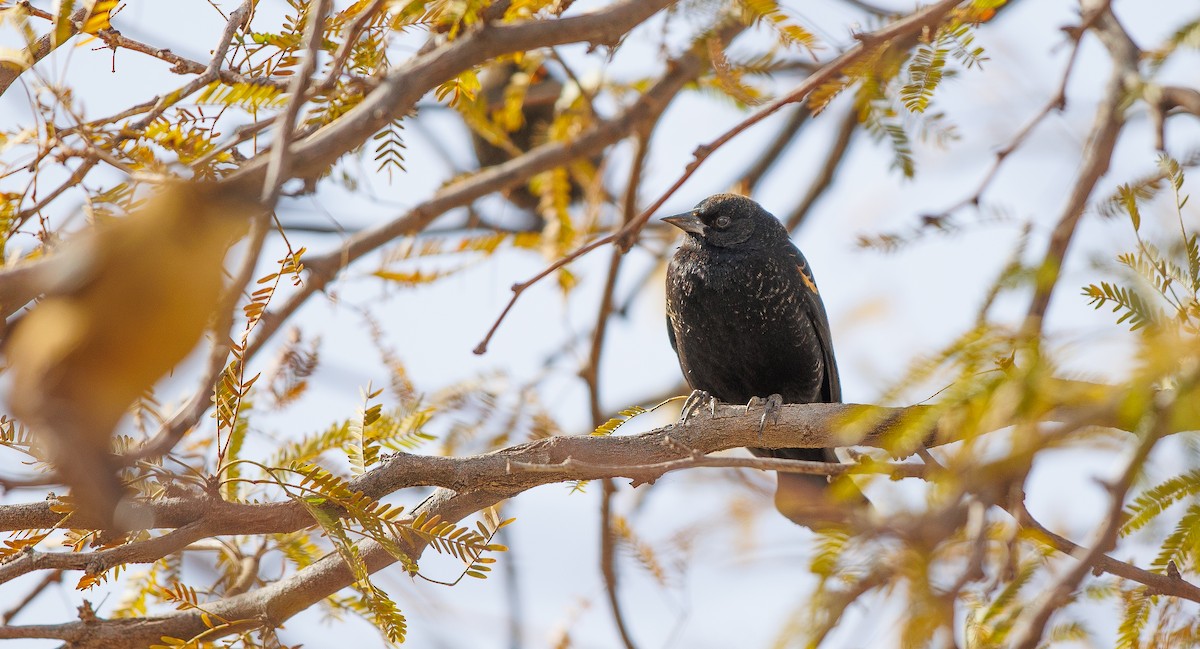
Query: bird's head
730, 221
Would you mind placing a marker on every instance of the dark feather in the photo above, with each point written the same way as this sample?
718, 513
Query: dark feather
746, 320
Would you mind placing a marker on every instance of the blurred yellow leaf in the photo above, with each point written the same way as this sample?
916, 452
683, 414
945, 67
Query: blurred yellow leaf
98, 19
129, 300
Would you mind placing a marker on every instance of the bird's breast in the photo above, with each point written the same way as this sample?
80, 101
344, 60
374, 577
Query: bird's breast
741, 327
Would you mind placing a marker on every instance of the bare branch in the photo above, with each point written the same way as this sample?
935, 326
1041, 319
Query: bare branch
180, 64
833, 159
1029, 628
1110, 118
1173, 586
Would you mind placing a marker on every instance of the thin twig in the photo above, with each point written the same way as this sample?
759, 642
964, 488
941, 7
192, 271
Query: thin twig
52, 577
279, 157
748, 183
608, 562
236, 21
1028, 630
353, 31
591, 375
1110, 119
180, 64
1056, 103
77, 176
837, 152
96, 563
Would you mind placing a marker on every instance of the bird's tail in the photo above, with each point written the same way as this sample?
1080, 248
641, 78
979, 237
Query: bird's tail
807, 499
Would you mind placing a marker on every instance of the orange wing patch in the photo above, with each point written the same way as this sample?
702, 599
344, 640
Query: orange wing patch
812, 286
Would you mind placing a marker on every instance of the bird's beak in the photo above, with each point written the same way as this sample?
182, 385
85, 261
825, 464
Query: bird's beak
688, 222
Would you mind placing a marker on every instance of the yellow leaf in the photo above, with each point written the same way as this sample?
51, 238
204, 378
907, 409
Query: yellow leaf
129, 300
98, 19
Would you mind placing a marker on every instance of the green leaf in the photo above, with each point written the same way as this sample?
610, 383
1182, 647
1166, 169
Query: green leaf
925, 73
1154, 501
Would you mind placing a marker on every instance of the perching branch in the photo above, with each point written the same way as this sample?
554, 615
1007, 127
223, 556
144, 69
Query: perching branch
475, 482
470, 484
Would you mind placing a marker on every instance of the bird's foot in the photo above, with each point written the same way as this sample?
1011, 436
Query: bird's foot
695, 401
771, 407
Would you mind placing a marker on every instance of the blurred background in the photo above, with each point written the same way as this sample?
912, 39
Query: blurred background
903, 244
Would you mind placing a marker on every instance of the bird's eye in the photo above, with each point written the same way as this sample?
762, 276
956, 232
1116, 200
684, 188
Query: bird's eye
722, 222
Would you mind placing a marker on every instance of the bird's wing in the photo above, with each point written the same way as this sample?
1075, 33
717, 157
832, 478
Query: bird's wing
831, 388
671, 334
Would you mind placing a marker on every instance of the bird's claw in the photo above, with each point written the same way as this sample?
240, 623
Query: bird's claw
693, 403
771, 407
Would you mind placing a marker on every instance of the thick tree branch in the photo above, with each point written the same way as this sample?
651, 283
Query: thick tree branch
591, 458
800, 426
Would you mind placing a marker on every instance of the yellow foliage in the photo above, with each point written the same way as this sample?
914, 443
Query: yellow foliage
99, 17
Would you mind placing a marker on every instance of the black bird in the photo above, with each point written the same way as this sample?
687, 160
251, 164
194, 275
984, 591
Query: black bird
746, 320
